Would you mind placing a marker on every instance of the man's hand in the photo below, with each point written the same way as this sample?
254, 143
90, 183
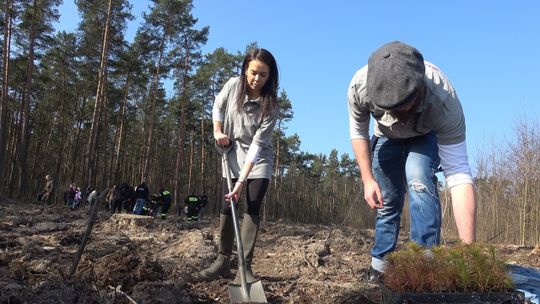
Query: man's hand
464, 208
372, 194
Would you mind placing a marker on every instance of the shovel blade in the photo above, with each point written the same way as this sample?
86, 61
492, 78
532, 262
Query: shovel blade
255, 293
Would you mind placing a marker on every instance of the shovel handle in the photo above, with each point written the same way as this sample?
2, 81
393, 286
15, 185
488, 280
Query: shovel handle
222, 149
236, 222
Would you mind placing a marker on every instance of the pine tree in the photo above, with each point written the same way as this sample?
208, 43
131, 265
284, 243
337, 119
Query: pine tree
7, 25
101, 29
163, 26
55, 115
35, 33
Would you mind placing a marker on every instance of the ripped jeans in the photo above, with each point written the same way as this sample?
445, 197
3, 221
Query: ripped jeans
407, 165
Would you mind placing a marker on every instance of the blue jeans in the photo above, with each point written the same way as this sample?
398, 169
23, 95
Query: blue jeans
139, 204
407, 165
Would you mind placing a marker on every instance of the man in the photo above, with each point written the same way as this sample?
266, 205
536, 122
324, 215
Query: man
128, 197
48, 190
72, 190
203, 201
141, 193
193, 205
92, 197
419, 125
114, 198
164, 196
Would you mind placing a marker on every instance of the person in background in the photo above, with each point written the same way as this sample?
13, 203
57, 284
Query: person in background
48, 191
71, 196
141, 194
419, 125
244, 115
128, 197
192, 203
115, 199
165, 198
203, 201
78, 196
92, 196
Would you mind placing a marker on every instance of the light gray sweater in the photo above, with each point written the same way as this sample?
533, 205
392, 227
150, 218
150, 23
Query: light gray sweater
439, 112
245, 128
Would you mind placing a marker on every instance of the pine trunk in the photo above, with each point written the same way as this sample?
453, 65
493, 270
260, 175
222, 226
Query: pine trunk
25, 113
5, 81
91, 150
152, 114
179, 149
120, 134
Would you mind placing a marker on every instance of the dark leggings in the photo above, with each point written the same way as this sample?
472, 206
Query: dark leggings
255, 189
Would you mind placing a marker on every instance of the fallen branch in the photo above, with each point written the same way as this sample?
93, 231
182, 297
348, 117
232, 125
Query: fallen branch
93, 215
308, 262
118, 290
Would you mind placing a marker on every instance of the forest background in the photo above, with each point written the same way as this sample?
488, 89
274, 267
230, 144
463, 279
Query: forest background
92, 108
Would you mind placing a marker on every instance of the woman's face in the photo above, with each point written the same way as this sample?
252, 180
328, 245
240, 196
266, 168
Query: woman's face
257, 74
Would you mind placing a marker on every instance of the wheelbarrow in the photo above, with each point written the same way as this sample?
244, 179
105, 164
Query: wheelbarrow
245, 292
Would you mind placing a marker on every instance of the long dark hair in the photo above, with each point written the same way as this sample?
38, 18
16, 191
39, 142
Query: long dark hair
269, 90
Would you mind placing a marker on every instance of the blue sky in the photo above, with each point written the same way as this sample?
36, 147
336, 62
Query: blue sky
488, 49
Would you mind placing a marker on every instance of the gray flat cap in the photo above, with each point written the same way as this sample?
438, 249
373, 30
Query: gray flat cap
395, 71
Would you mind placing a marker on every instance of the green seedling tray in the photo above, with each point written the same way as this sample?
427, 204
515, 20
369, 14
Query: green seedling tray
391, 297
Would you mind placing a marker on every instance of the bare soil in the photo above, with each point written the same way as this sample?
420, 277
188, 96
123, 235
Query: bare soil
137, 259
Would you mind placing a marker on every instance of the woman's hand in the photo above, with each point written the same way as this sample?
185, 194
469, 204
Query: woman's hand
221, 138
235, 194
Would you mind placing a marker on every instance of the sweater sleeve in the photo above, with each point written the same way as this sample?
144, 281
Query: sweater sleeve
359, 114
263, 135
220, 101
455, 164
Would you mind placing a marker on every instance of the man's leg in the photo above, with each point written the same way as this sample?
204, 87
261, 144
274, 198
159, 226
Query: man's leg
139, 204
424, 204
191, 212
165, 208
389, 171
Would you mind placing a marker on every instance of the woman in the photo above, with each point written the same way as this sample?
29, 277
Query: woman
244, 114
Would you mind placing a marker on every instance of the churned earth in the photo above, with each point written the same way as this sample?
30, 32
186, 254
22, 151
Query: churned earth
138, 259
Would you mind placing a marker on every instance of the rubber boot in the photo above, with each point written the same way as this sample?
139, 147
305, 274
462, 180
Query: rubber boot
250, 229
221, 266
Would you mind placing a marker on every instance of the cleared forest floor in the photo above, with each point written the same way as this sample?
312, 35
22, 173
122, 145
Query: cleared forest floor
154, 260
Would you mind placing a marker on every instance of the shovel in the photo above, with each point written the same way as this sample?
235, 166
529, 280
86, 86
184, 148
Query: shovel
245, 292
